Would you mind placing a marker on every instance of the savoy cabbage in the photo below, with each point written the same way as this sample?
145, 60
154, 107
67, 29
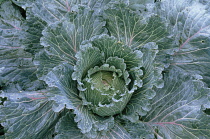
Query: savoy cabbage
105, 69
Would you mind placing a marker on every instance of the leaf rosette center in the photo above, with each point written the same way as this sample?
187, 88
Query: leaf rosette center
107, 73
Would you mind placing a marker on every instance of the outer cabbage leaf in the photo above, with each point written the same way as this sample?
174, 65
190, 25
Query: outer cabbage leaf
34, 26
131, 28
16, 66
47, 10
28, 115
118, 132
67, 96
177, 109
51, 11
62, 39
70, 130
140, 102
189, 27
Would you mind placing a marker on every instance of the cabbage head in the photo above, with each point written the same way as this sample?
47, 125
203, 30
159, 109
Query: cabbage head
104, 69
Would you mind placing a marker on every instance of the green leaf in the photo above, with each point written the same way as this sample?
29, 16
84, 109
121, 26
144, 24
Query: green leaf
106, 91
17, 69
131, 28
16, 66
109, 53
189, 26
111, 47
24, 3
55, 10
176, 110
139, 130
70, 130
86, 59
90, 124
140, 102
30, 39
66, 94
62, 39
28, 115
117, 132
45, 63
66, 128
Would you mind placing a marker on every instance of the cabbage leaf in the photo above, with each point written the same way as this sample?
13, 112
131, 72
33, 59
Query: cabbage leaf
104, 69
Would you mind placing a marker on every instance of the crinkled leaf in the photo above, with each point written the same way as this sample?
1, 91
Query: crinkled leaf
70, 130
140, 102
62, 39
32, 33
86, 59
189, 26
16, 65
51, 11
111, 47
66, 128
117, 132
67, 95
28, 115
106, 48
132, 29
139, 130
176, 110
90, 123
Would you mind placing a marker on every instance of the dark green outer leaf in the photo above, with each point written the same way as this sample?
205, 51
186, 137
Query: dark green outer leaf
189, 29
30, 39
66, 128
62, 39
117, 132
66, 96
70, 130
16, 65
140, 102
139, 130
51, 11
132, 29
176, 110
28, 115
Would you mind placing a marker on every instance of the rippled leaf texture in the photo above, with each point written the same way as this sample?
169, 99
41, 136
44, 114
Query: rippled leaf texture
70, 130
131, 28
62, 39
32, 33
118, 132
28, 115
177, 110
67, 96
51, 11
190, 28
140, 102
47, 10
66, 131
16, 66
